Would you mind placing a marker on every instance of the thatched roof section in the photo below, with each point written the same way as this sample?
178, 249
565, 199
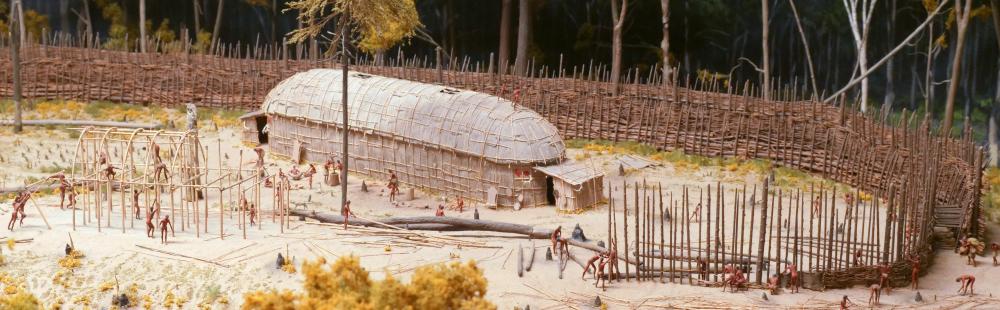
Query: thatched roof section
571, 172
463, 121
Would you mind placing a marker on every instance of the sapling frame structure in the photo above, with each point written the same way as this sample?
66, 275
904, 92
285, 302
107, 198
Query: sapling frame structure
185, 189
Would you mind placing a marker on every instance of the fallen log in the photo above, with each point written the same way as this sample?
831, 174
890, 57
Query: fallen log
531, 261
18, 189
447, 223
520, 261
74, 122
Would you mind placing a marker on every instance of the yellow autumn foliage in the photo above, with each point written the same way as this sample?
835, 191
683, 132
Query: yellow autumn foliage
106, 286
71, 261
344, 284
19, 301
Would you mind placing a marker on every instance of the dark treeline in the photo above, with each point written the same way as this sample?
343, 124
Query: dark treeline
719, 38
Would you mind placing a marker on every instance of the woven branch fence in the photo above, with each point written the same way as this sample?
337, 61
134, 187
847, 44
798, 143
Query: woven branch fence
913, 172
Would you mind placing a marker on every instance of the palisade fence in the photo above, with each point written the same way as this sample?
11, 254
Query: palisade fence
919, 180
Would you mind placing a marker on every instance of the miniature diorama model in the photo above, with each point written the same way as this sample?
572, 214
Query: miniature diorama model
463, 143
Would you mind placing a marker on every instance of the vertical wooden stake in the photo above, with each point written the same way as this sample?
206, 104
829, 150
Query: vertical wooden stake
760, 239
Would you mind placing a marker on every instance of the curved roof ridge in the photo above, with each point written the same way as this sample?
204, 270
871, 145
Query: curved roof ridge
465, 121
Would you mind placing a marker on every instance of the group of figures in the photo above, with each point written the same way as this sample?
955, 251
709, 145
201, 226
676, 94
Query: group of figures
66, 190
605, 264
68, 193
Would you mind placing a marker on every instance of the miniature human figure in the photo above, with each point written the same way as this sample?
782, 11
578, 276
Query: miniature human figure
589, 265
857, 257
972, 247
279, 190
613, 261
135, 203
253, 214
13, 219
109, 172
774, 283
393, 186
309, 174
160, 172
102, 158
260, 157
440, 211
154, 150
738, 279
564, 248
327, 168
915, 272
849, 199
968, 281
460, 204
600, 275
164, 223
346, 212
793, 281
19, 202
268, 183
244, 206
696, 214
876, 292
63, 187
18, 208
817, 205
556, 235
282, 178
150, 229
72, 200
845, 303
883, 279
702, 268
727, 275
295, 173
996, 250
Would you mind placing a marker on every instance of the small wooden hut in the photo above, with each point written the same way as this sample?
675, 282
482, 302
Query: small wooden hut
253, 130
450, 141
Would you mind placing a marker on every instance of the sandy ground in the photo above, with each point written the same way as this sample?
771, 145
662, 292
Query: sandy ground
198, 269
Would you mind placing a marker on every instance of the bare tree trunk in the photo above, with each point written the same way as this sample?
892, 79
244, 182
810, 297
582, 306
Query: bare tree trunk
913, 85
665, 42
994, 141
504, 52
524, 24
83, 22
890, 87
962, 20
343, 100
142, 26
860, 21
197, 17
217, 25
618, 22
805, 44
15, 55
929, 75
764, 12
899, 47
20, 24
994, 110
274, 21
64, 16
